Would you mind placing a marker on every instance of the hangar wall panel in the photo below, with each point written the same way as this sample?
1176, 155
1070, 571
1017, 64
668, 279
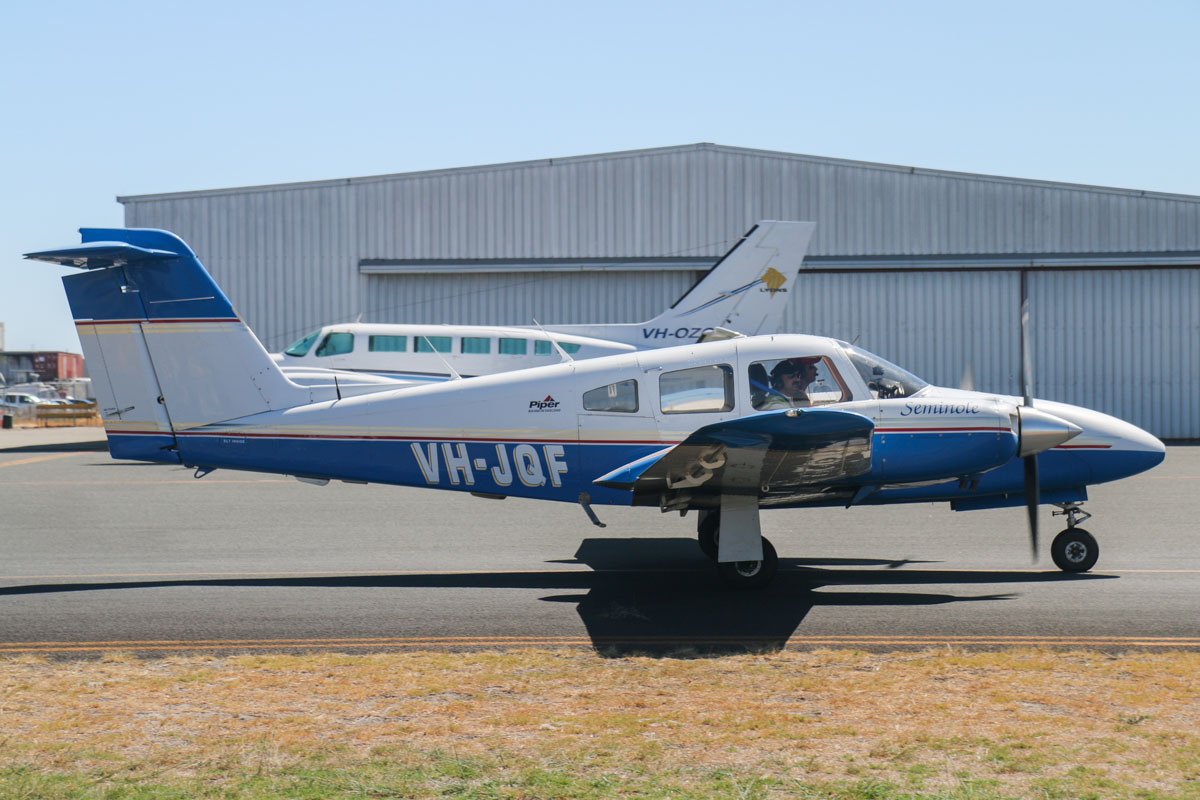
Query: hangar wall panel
1123, 342
936, 325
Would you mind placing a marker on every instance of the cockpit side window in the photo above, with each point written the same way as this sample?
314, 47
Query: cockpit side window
795, 382
696, 390
301, 346
883, 378
336, 344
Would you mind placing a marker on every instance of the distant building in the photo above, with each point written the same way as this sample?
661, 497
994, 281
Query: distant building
32, 367
922, 266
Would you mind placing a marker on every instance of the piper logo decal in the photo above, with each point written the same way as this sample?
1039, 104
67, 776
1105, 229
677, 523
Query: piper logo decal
549, 404
773, 280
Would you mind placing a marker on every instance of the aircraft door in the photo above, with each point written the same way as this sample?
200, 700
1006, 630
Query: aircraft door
613, 424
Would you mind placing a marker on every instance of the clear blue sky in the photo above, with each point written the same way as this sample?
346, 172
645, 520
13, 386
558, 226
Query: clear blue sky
106, 99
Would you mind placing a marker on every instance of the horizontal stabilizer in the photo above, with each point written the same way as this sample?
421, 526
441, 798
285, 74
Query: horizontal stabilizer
96, 255
772, 451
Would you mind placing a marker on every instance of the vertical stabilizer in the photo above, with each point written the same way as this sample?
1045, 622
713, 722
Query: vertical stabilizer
166, 349
746, 291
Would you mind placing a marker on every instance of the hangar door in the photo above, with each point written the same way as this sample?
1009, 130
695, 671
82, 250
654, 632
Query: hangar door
1125, 342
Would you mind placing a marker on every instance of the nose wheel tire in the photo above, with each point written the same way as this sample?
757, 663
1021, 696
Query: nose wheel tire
751, 574
1074, 550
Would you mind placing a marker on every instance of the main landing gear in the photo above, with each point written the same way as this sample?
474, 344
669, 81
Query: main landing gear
1074, 549
735, 574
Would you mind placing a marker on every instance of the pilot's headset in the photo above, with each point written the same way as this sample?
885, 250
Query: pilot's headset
797, 364
785, 366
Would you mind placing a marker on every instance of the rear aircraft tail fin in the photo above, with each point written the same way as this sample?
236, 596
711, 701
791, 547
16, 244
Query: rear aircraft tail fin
164, 346
746, 291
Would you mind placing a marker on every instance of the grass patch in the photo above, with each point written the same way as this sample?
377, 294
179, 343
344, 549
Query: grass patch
570, 724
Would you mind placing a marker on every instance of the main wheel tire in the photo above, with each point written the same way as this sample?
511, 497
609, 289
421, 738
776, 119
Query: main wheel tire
751, 574
707, 534
1074, 550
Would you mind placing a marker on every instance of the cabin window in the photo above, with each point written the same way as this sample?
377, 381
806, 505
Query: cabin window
513, 347
336, 344
695, 390
476, 344
301, 346
543, 347
620, 396
388, 344
795, 382
433, 344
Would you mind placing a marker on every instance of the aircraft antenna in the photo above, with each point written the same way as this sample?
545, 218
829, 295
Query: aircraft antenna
565, 355
453, 371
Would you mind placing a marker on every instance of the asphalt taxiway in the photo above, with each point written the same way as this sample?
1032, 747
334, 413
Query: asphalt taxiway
99, 555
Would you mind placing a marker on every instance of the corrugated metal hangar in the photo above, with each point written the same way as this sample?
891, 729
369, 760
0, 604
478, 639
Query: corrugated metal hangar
921, 266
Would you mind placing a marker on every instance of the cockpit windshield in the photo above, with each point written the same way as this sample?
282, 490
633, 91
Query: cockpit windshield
882, 377
301, 346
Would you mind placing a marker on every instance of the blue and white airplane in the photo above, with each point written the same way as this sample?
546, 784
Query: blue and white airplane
724, 428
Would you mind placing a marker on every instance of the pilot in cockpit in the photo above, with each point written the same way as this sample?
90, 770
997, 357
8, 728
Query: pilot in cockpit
789, 383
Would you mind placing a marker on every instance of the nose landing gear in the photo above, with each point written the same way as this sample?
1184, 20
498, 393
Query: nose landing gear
1074, 549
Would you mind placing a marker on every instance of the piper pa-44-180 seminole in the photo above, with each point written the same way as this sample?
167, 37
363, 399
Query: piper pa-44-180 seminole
739, 292
725, 428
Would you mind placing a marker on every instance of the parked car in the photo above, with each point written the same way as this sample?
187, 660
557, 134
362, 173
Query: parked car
20, 400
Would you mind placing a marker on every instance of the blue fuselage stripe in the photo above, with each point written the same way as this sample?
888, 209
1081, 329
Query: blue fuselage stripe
551, 470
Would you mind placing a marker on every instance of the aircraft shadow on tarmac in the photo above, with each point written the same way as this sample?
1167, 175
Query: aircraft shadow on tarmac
661, 596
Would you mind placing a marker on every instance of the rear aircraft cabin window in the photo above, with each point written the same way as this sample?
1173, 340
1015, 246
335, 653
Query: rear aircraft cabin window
388, 344
544, 348
301, 346
336, 344
794, 383
695, 390
476, 344
513, 347
432, 344
620, 396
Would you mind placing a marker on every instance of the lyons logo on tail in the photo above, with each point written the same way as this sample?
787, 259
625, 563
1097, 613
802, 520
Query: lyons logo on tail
773, 280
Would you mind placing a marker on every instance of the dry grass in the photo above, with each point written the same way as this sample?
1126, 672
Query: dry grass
946, 723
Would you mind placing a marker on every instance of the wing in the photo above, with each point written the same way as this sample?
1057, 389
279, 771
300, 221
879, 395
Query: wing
787, 454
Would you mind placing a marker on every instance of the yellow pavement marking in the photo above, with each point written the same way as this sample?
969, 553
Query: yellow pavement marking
411, 572
584, 641
35, 459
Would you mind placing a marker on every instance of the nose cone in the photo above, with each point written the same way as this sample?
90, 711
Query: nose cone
1041, 431
1112, 447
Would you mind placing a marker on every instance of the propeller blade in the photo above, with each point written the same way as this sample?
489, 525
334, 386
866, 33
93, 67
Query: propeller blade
1032, 498
967, 381
1026, 363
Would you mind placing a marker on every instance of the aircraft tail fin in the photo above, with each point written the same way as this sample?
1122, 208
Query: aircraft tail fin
165, 348
746, 291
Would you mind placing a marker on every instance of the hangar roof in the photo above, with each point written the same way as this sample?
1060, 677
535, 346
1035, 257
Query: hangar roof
690, 200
